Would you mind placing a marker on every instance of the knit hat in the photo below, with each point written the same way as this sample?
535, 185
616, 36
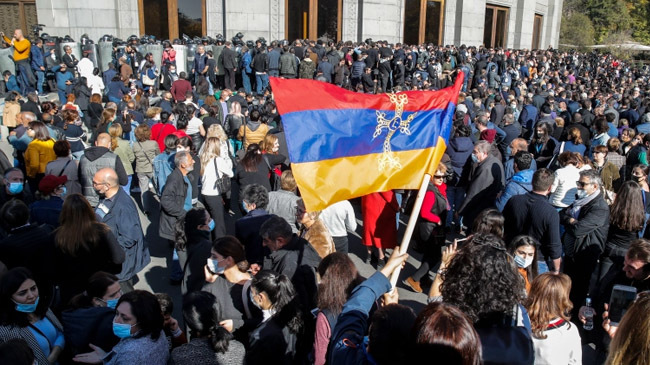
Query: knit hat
50, 182
488, 135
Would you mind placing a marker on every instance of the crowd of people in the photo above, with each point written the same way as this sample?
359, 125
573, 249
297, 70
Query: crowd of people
543, 191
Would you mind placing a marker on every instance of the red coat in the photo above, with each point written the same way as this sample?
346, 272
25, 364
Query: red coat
379, 223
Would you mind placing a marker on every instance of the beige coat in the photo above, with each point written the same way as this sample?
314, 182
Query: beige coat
319, 237
10, 113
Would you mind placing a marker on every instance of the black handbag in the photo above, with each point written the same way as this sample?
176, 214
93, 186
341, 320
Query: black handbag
222, 184
274, 179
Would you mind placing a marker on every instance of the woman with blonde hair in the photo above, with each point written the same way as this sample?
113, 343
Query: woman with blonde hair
123, 149
555, 339
215, 165
631, 342
314, 231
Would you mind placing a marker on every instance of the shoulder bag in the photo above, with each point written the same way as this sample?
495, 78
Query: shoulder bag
222, 183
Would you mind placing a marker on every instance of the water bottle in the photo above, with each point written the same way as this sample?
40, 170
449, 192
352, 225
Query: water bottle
589, 316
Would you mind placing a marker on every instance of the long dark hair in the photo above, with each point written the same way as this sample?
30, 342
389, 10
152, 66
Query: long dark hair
283, 297
187, 227
482, 281
339, 277
628, 211
523, 240
9, 285
489, 221
147, 312
229, 246
79, 229
252, 158
96, 287
202, 315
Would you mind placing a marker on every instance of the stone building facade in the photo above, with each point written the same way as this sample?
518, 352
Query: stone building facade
505, 23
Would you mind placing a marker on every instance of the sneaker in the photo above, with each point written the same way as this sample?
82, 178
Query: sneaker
415, 285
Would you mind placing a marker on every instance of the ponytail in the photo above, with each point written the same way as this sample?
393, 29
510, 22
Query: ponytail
283, 297
220, 339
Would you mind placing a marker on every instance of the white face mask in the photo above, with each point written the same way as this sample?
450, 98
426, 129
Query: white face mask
523, 263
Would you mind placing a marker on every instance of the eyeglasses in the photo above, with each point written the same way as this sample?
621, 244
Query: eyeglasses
438, 176
581, 184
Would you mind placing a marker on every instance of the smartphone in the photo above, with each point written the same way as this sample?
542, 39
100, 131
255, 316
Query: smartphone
619, 302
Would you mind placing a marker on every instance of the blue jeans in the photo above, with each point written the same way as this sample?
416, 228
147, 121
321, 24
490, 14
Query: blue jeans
176, 270
246, 80
455, 197
398, 197
127, 187
542, 267
40, 79
77, 155
62, 96
262, 82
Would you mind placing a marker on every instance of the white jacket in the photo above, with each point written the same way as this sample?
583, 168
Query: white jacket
564, 189
210, 175
339, 218
561, 346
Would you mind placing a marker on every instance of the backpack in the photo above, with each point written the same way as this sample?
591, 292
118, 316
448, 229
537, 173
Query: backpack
508, 344
163, 165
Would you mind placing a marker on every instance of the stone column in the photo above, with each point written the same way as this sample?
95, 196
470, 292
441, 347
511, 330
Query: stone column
350, 19
214, 14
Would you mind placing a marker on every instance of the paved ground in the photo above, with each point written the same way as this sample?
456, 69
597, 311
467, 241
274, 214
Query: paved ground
155, 277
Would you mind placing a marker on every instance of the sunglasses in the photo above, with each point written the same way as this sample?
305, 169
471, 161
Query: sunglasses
581, 184
438, 176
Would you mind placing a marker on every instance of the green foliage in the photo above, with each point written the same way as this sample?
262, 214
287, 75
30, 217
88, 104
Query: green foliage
577, 30
609, 17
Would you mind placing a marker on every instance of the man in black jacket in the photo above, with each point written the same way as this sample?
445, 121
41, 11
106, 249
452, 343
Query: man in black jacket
291, 256
175, 201
229, 64
587, 223
254, 199
486, 180
531, 214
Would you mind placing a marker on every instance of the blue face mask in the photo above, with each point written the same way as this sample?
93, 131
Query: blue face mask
111, 303
27, 308
122, 330
211, 225
508, 151
474, 158
15, 188
64, 191
244, 206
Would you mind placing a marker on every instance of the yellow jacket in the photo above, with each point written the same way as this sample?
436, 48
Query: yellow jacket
21, 49
37, 155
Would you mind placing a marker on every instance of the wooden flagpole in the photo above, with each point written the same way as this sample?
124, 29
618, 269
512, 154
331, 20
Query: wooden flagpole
415, 213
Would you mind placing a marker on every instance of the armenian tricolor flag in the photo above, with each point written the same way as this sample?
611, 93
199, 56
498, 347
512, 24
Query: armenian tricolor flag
344, 144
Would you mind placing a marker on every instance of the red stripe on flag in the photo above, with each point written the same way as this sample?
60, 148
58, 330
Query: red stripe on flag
294, 95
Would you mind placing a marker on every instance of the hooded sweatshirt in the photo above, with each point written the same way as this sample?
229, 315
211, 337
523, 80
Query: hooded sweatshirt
521, 183
254, 131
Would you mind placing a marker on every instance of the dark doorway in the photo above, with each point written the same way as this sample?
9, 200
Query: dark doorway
297, 19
